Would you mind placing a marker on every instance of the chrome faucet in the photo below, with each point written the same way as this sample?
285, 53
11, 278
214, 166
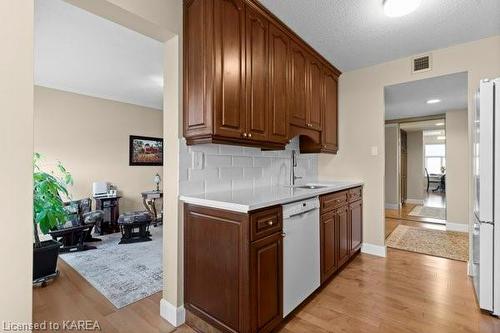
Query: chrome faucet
293, 164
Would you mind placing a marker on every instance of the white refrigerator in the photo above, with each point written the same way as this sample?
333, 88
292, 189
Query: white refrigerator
485, 268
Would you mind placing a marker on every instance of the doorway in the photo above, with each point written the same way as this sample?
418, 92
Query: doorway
424, 158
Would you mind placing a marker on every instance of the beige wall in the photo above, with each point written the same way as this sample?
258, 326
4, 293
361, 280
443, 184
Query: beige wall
415, 172
392, 166
16, 136
361, 118
90, 136
457, 195
162, 20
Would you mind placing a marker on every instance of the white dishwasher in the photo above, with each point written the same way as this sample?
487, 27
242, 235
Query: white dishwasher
301, 267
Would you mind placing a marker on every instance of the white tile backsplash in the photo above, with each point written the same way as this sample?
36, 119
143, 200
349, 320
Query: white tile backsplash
227, 167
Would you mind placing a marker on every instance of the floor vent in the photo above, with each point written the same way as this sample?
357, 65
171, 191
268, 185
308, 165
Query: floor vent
421, 64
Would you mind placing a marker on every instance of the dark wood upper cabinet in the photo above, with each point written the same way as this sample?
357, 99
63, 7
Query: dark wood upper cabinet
229, 40
266, 261
329, 136
198, 69
257, 75
279, 56
248, 77
315, 94
299, 85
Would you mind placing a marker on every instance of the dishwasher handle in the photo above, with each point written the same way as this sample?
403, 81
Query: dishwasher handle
301, 213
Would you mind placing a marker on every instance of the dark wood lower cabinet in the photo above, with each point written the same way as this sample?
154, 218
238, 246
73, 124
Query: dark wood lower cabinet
233, 262
328, 245
266, 257
341, 229
356, 220
234, 281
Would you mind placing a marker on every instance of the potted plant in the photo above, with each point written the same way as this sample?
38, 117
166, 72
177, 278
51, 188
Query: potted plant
48, 213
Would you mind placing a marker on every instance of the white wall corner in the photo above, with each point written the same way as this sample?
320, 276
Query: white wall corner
469, 268
460, 227
376, 250
391, 206
415, 201
174, 315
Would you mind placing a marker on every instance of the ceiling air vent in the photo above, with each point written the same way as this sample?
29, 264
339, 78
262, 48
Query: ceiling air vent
421, 64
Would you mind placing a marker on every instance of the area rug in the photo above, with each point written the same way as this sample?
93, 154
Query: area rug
446, 244
123, 273
431, 212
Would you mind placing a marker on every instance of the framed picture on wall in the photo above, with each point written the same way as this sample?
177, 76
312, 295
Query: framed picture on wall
145, 150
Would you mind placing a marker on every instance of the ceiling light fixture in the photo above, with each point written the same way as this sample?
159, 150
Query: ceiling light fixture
439, 124
433, 101
397, 8
441, 137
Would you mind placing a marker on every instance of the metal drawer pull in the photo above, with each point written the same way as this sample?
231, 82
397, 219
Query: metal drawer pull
270, 222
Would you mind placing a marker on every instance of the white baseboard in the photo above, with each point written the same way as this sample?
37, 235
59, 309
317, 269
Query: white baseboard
457, 227
392, 206
415, 201
175, 316
376, 250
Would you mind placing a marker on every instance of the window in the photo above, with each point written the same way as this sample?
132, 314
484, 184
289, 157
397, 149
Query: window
435, 158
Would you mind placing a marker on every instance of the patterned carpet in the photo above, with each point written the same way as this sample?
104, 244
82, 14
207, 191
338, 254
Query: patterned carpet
431, 212
446, 244
124, 273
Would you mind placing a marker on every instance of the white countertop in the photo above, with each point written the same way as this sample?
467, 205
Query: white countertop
261, 197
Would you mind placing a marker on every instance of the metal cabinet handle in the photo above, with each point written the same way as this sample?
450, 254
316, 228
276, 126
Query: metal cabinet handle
249, 135
244, 135
269, 222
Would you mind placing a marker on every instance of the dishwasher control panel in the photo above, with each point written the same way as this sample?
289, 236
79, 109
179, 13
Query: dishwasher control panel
300, 207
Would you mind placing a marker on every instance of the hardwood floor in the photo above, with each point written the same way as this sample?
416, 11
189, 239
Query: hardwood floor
432, 200
392, 223
405, 292
71, 297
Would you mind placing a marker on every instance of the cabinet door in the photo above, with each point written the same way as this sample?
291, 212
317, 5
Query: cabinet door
298, 98
344, 242
314, 94
328, 240
257, 66
356, 221
330, 119
266, 258
229, 32
279, 84
198, 69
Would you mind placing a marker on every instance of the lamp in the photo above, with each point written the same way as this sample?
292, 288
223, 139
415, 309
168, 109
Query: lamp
397, 8
157, 181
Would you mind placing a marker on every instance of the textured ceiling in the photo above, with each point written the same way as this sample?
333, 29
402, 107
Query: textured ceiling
80, 52
407, 100
355, 33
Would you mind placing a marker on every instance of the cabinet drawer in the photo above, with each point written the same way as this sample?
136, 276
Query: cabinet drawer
265, 222
333, 200
355, 194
